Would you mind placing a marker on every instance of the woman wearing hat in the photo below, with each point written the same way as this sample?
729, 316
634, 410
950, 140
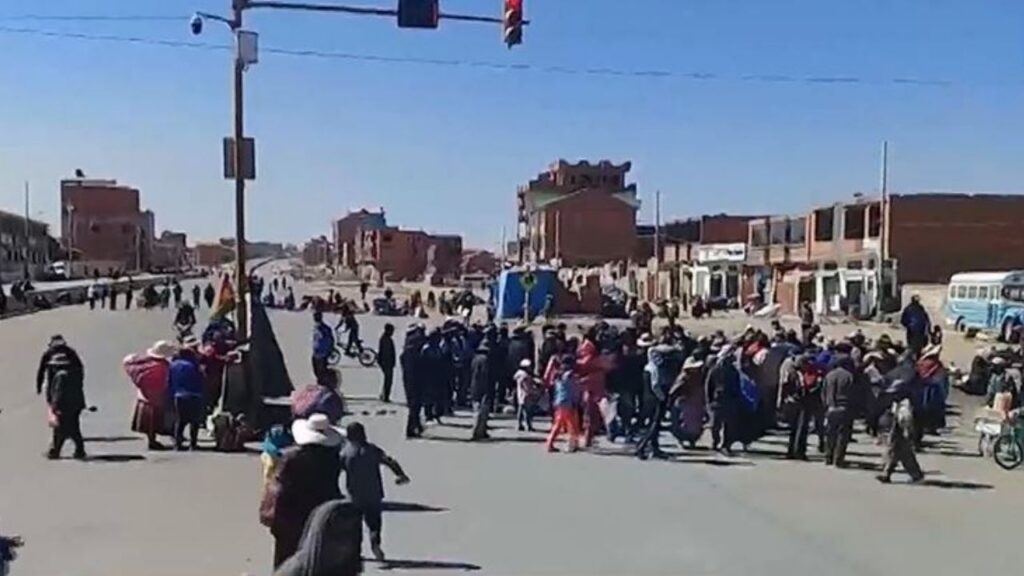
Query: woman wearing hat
149, 373
306, 477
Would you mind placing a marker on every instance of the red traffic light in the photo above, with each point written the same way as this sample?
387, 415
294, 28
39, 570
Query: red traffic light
513, 22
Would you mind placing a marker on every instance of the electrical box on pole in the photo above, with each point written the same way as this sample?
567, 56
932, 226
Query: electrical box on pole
418, 13
513, 23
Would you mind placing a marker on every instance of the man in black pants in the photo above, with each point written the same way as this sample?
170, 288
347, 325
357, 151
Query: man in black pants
62, 370
186, 387
412, 380
386, 360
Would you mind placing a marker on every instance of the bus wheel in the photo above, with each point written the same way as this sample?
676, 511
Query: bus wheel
959, 325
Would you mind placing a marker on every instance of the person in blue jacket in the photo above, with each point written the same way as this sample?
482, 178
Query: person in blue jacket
186, 386
323, 345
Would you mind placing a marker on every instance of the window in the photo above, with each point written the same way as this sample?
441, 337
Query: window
874, 221
758, 235
797, 229
777, 233
961, 292
982, 292
1014, 293
855, 265
831, 266
386, 238
853, 222
972, 292
952, 291
823, 225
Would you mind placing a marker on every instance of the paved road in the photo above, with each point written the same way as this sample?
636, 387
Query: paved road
505, 507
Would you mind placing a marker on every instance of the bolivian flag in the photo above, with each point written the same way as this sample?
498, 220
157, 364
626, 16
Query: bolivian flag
225, 301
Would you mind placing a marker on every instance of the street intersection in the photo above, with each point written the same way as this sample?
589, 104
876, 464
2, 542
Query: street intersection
501, 507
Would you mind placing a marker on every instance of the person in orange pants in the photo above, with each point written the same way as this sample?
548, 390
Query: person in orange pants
566, 404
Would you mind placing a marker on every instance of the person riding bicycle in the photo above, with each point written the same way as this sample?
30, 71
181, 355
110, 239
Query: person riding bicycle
349, 323
185, 318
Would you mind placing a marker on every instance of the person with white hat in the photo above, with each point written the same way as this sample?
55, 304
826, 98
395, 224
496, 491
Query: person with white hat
149, 373
528, 392
306, 477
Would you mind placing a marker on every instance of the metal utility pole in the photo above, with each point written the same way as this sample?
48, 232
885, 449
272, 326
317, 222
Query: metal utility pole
657, 227
241, 277
883, 213
28, 233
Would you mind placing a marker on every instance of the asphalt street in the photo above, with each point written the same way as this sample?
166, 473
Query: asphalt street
503, 507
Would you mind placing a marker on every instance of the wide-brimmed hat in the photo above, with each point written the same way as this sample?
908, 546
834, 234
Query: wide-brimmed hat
316, 430
645, 340
162, 349
525, 363
998, 361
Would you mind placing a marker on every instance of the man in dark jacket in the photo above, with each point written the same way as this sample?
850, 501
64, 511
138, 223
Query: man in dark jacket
917, 324
723, 394
386, 360
806, 323
549, 347
520, 348
483, 388
839, 394
411, 380
65, 395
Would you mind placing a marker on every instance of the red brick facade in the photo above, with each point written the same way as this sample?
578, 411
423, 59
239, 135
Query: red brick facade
102, 221
347, 229
408, 254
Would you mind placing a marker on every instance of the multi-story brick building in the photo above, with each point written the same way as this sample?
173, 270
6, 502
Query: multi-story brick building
580, 214
170, 251
850, 256
317, 252
23, 249
397, 254
212, 254
347, 229
102, 224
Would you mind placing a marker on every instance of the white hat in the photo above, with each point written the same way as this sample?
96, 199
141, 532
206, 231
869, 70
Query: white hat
998, 361
525, 363
190, 342
317, 430
645, 340
162, 349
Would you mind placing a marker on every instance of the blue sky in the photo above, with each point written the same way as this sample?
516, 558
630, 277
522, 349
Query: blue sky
443, 148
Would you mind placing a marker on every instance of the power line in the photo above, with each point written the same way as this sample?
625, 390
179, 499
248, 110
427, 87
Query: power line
502, 66
90, 18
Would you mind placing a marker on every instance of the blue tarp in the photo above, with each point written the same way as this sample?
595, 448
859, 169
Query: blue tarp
511, 296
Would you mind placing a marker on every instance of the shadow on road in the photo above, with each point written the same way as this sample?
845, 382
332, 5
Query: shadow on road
955, 484
491, 440
680, 458
410, 507
114, 458
112, 439
427, 565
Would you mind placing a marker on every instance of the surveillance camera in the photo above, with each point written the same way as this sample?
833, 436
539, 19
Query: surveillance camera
197, 24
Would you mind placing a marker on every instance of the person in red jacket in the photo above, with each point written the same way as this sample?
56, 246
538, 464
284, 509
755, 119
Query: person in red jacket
592, 369
149, 374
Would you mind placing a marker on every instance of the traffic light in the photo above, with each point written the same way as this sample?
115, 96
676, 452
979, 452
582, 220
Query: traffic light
513, 22
418, 13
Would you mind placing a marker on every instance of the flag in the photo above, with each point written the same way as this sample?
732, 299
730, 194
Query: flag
225, 301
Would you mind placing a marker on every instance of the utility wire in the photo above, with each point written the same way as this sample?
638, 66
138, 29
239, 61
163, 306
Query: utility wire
90, 18
492, 65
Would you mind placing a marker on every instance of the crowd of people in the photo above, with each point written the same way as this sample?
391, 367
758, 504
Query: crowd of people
631, 385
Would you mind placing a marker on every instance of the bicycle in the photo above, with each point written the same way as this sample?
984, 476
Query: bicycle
1008, 448
367, 357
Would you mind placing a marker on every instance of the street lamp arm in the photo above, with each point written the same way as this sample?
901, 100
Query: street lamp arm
366, 11
217, 17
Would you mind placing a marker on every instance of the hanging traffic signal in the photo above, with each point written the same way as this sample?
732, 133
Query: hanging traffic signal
513, 22
418, 13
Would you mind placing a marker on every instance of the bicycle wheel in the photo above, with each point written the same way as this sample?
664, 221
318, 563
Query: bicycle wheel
1008, 452
367, 357
334, 357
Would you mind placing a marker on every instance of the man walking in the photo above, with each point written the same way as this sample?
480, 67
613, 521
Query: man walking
723, 394
838, 393
197, 293
62, 370
806, 323
916, 322
412, 380
484, 387
386, 360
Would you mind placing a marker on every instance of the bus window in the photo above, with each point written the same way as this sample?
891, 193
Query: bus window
972, 292
952, 291
961, 292
993, 293
982, 292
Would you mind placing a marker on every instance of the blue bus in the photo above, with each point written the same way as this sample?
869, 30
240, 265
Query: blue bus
986, 301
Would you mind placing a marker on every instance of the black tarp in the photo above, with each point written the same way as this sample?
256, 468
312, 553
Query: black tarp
267, 372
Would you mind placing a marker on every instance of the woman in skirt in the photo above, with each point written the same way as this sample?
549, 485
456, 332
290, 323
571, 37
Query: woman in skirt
148, 373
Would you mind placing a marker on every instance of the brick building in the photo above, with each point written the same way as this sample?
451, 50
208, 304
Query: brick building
833, 256
170, 251
19, 253
317, 252
397, 254
581, 214
102, 223
346, 230
480, 262
212, 254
